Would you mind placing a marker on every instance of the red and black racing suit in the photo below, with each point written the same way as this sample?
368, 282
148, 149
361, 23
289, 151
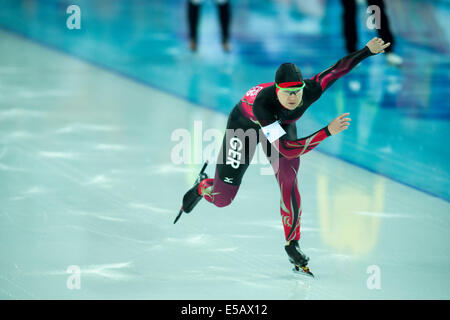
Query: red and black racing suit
259, 108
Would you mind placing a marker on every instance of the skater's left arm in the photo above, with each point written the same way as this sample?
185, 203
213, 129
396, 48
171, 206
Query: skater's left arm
327, 77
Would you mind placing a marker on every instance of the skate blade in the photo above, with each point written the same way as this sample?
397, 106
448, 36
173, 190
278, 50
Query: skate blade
187, 207
304, 271
195, 202
178, 216
204, 167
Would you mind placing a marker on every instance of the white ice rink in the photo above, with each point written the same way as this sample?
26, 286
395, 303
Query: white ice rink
87, 180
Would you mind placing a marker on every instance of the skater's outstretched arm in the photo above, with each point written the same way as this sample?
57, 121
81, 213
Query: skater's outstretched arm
295, 148
327, 77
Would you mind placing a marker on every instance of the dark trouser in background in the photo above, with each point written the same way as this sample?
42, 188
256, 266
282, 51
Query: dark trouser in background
350, 26
224, 19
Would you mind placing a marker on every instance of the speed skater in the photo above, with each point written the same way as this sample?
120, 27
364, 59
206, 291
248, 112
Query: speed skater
273, 109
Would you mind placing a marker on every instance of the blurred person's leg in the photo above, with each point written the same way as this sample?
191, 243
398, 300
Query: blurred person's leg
349, 24
385, 33
193, 17
224, 17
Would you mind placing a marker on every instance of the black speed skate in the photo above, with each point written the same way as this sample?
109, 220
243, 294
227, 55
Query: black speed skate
298, 258
192, 197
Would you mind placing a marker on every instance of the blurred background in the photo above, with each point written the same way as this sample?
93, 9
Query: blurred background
401, 113
87, 114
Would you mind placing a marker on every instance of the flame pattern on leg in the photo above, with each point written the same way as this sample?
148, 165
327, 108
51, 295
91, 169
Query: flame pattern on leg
290, 201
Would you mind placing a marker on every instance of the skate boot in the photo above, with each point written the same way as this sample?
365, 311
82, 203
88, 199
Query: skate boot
192, 197
298, 258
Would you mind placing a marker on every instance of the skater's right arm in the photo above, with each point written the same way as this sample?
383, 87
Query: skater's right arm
295, 148
291, 149
339, 124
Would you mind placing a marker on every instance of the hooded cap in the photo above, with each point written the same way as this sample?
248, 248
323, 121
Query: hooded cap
288, 75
